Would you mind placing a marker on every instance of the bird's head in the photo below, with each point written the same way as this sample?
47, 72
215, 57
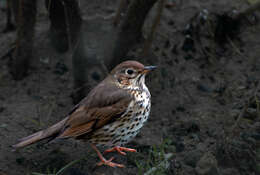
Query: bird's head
130, 73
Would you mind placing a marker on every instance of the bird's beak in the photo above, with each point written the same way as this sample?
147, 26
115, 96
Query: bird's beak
148, 69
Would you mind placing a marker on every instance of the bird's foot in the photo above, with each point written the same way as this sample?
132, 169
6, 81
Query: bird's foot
109, 163
104, 161
120, 150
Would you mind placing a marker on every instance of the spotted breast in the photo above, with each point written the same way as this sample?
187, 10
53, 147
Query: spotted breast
129, 124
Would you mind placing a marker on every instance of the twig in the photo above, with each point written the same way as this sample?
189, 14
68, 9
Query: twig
63, 169
235, 47
165, 164
238, 120
122, 5
243, 111
248, 11
148, 43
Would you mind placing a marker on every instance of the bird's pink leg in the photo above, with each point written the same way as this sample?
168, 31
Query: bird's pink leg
104, 161
120, 150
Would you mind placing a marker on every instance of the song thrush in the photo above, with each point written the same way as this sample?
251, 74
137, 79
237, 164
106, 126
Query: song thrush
111, 115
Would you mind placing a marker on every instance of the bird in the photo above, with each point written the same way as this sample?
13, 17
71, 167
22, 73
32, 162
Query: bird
111, 114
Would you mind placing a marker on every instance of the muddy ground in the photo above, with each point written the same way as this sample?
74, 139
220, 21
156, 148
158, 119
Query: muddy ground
205, 99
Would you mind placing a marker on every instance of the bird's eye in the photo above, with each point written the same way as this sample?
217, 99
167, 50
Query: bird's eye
129, 71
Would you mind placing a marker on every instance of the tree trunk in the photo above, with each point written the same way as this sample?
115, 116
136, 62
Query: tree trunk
9, 25
130, 30
65, 23
121, 9
24, 40
15, 10
148, 42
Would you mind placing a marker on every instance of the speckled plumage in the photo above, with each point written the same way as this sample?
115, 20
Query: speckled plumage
129, 124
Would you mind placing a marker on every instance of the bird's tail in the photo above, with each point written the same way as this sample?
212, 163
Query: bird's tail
51, 132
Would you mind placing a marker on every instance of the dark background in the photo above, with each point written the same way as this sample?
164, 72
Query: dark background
205, 94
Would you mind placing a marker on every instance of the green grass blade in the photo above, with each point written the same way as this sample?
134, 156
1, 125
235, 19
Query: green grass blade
67, 166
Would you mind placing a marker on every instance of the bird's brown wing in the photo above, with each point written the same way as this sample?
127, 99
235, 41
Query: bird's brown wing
103, 105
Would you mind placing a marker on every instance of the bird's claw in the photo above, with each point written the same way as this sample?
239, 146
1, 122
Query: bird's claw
110, 163
120, 150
